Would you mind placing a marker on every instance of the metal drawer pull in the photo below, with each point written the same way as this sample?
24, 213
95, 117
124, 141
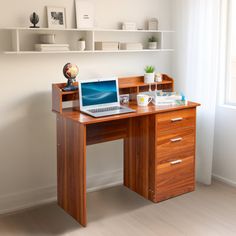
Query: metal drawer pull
176, 162
174, 140
177, 119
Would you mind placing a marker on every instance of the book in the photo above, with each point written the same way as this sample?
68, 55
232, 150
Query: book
52, 47
160, 98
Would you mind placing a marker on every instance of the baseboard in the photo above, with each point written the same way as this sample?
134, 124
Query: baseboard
224, 180
27, 199
40, 196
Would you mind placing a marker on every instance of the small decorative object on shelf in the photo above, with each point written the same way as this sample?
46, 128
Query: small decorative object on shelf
56, 17
34, 19
129, 26
70, 71
153, 24
81, 44
149, 74
47, 38
158, 77
124, 99
152, 43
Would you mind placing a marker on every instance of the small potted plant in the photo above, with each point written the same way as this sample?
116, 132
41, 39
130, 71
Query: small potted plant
152, 43
81, 44
149, 75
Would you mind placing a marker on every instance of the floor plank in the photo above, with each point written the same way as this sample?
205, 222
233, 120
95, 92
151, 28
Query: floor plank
119, 212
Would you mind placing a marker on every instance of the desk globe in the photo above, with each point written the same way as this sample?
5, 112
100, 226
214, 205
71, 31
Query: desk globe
70, 71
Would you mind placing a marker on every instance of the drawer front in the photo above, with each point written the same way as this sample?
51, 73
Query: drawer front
176, 119
175, 144
176, 178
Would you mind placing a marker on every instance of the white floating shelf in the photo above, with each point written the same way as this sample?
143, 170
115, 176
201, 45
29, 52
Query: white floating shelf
88, 29
86, 52
24, 39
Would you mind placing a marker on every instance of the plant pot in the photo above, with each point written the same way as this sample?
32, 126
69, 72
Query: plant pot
152, 45
81, 45
149, 78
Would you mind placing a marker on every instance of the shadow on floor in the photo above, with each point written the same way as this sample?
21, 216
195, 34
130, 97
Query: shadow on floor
52, 220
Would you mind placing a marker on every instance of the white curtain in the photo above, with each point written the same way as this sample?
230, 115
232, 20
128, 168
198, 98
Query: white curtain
197, 26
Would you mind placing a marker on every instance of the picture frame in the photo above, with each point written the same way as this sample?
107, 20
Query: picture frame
56, 17
84, 14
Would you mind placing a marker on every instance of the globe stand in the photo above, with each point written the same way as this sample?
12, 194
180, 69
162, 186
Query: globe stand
70, 86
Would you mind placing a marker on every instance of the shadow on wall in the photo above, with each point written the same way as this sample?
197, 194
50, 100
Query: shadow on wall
28, 149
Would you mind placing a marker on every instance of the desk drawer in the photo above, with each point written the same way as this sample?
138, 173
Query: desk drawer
175, 144
175, 178
176, 119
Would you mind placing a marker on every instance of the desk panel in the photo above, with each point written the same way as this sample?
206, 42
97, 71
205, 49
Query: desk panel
107, 131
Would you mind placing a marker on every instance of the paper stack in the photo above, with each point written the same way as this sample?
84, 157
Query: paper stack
166, 98
52, 47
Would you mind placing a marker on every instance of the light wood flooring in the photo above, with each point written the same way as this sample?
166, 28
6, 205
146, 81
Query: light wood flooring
119, 212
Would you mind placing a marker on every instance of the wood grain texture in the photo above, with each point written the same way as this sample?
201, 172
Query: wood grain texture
167, 150
146, 135
130, 85
165, 123
76, 115
71, 168
106, 131
137, 151
173, 180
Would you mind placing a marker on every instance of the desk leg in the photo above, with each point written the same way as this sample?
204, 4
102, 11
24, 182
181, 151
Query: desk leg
71, 168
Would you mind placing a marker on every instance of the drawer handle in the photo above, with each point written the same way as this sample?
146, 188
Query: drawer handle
174, 140
176, 162
177, 119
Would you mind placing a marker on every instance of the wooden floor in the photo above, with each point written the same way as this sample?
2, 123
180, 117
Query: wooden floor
120, 212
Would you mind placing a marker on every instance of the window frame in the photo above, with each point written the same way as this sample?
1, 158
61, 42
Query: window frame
227, 100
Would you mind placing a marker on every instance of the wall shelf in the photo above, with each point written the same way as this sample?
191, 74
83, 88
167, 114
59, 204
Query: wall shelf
24, 39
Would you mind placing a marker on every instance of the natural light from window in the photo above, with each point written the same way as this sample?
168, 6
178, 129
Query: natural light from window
231, 77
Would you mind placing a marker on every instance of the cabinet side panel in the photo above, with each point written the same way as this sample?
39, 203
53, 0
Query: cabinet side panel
139, 148
71, 168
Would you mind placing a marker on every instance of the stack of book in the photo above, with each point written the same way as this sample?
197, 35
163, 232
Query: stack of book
107, 46
160, 98
167, 98
52, 47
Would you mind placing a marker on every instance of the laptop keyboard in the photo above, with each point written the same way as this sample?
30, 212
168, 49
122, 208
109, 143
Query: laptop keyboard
97, 110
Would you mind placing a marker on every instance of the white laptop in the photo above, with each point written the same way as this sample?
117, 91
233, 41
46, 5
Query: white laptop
100, 97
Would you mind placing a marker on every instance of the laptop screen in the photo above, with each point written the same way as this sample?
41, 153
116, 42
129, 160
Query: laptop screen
99, 92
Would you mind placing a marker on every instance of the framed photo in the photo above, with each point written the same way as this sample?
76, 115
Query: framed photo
56, 17
84, 14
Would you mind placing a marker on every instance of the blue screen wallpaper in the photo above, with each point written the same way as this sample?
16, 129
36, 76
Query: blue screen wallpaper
96, 93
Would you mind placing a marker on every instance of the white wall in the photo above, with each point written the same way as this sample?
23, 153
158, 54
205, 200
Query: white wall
27, 125
224, 162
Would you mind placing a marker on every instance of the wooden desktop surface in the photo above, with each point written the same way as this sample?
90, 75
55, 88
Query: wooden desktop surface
75, 115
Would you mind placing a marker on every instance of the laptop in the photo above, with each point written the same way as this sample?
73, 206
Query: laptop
100, 97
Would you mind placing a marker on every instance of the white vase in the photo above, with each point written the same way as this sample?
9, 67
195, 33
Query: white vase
81, 45
152, 45
149, 78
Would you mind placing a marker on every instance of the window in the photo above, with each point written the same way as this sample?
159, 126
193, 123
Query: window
230, 97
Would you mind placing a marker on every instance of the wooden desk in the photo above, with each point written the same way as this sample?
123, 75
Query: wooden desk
159, 152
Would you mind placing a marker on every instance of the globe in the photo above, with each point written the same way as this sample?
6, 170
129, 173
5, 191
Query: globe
70, 71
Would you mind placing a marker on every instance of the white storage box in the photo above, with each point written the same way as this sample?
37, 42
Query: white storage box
107, 46
131, 46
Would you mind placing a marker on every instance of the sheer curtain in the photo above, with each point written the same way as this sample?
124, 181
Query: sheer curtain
197, 26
